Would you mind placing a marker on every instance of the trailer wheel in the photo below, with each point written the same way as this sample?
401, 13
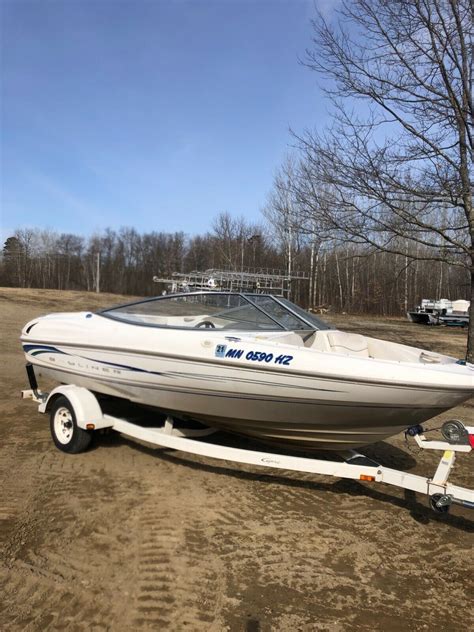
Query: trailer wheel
67, 435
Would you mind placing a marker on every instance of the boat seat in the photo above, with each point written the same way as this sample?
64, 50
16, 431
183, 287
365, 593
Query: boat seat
285, 339
384, 350
348, 344
150, 319
318, 341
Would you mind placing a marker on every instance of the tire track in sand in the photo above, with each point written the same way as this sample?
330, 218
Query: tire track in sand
65, 562
178, 584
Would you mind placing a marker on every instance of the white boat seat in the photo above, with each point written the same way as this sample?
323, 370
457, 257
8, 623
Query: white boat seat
319, 342
284, 338
349, 344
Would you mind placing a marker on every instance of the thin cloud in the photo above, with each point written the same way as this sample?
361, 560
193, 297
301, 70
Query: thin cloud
68, 201
327, 7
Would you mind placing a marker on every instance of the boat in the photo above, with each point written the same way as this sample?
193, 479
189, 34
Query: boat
252, 364
441, 312
458, 315
420, 317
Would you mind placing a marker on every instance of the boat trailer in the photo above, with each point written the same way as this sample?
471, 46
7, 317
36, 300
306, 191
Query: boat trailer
75, 413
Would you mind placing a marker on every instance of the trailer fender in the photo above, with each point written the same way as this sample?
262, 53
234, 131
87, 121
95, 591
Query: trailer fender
86, 407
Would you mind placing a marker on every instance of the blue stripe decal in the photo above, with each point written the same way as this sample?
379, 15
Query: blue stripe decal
39, 349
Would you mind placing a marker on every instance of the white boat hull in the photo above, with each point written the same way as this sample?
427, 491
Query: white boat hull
318, 402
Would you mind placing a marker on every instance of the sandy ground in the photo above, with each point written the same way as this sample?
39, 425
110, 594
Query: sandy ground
124, 537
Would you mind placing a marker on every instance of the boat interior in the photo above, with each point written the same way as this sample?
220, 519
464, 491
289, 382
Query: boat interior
349, 344
266, 318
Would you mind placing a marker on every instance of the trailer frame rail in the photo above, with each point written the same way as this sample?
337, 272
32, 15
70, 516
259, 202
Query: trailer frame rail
88, 417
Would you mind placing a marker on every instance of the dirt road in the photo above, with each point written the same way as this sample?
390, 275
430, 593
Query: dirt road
128, 538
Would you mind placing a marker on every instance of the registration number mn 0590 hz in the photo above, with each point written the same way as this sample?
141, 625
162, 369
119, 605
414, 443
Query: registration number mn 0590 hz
252, 356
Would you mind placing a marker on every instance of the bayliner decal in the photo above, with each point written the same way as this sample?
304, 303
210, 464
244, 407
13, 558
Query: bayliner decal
36, 350
253, 356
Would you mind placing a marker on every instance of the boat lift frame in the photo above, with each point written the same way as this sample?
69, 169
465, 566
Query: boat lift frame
87, 415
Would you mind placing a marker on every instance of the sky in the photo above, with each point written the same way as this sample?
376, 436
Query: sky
156, 114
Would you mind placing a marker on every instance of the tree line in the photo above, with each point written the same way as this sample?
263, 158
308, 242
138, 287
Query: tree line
341, 277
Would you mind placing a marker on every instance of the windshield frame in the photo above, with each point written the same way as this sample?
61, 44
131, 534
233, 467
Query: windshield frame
106, 313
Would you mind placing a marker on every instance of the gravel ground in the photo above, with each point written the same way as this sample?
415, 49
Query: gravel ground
124, 537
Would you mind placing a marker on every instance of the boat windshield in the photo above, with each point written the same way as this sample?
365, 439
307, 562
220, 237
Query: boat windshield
217, 310
286, 312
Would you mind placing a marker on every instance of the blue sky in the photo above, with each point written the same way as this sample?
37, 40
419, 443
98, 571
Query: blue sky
152, 114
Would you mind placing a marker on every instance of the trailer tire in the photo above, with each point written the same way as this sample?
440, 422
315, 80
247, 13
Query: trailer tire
67, 435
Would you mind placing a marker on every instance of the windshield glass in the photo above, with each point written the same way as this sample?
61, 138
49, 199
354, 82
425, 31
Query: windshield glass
207, 310
316, 322
277, 311
218, 310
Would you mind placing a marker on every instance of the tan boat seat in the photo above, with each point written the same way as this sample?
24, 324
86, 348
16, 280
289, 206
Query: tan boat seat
349, 344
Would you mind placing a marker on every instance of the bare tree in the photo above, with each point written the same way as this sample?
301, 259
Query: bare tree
286, 221
395, 168
229, 234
